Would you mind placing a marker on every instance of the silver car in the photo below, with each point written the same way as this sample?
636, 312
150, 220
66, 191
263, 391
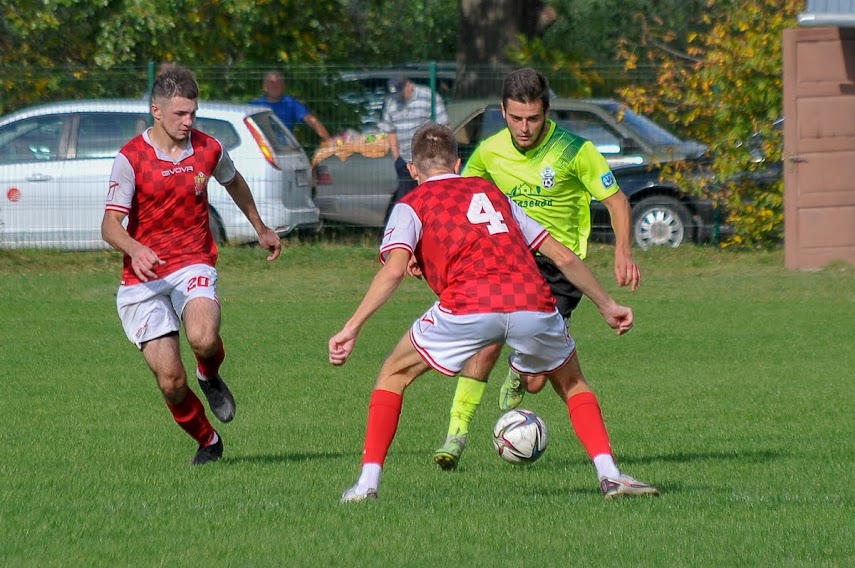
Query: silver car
55, 163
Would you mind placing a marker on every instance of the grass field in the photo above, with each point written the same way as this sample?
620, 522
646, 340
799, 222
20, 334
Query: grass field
733, 394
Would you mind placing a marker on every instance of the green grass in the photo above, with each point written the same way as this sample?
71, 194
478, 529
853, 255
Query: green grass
733, 394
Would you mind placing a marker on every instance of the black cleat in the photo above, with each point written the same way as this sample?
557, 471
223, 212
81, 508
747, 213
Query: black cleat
219, 396
208, 454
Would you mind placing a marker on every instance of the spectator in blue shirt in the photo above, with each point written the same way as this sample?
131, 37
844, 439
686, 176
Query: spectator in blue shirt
288, 109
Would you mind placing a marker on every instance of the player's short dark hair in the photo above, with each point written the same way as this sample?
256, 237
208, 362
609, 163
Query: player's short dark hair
526, 86
175, 81
434, 147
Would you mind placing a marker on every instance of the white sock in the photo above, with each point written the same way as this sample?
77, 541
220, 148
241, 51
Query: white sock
606, 466
370, 476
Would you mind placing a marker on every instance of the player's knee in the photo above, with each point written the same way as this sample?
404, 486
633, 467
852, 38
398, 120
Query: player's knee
204, 343
173, 385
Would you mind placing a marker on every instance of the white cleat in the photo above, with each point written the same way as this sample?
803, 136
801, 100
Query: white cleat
625, 486
356, 495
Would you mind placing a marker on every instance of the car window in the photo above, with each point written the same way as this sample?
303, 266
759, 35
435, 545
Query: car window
493, 122
220, 129
588, 125
102, 135
32, 139
643, 127
276, 133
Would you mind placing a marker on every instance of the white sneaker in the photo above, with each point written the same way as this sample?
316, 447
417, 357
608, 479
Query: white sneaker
357, 495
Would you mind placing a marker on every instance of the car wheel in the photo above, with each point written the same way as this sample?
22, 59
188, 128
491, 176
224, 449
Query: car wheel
217, 228
659, 221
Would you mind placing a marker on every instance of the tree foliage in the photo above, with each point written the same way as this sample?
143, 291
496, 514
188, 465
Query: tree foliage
48, 45
582, 45
725, 86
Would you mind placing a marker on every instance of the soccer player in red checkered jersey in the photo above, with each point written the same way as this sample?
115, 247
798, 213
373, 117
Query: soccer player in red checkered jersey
473, 246
159, 184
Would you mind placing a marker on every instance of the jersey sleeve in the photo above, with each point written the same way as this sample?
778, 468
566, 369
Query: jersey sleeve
120, 193
475, 166
225, 171
403, 231
533, 231
594, 172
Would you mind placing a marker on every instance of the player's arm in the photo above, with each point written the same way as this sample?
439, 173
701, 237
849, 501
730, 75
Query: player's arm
242, 196
382, 288
627, 272
600, 183
143, 259
120, 198
574, 269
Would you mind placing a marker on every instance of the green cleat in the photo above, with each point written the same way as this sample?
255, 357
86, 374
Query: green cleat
448, 455
511, 392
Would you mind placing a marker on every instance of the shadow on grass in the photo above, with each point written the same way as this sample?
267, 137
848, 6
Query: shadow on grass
285, 458
758, 456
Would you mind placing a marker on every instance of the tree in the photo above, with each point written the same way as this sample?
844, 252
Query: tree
726, 86
489, 31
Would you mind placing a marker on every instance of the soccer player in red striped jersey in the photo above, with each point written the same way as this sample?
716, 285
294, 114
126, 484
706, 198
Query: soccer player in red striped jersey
473, 245
159, 184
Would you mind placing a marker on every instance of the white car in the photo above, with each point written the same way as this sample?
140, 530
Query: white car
55, 163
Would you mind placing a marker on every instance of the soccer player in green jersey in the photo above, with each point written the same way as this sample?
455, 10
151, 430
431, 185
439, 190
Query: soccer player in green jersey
552, 174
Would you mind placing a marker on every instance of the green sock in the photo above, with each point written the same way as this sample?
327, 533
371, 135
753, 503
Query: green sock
467, 397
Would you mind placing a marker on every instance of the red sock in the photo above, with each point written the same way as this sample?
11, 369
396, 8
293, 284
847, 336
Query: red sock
383, 413
587, 420
190, 415
211, 365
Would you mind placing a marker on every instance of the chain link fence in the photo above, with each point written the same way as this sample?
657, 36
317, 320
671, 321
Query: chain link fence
347, 180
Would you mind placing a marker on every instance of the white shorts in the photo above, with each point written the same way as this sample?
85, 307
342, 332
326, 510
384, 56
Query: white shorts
149, 310
445, 341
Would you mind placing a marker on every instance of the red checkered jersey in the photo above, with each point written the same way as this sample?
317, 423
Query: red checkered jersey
167, 202
473, 245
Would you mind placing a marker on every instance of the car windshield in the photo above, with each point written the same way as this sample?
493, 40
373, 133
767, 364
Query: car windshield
641, 126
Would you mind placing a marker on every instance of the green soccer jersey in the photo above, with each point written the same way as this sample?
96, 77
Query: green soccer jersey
553, 183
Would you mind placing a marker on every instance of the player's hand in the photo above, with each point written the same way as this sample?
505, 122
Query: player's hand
143, 262
270, 240
341, 346
413, 268
619, 317
627, 272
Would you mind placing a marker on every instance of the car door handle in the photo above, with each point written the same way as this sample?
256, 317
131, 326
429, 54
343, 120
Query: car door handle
39, 177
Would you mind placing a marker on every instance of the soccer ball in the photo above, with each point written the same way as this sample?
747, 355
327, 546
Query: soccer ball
520, 436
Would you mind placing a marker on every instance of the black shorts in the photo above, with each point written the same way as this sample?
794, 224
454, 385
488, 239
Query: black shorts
566, 294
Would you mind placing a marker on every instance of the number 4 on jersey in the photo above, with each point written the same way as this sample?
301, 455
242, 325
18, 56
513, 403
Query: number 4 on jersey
482, 211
